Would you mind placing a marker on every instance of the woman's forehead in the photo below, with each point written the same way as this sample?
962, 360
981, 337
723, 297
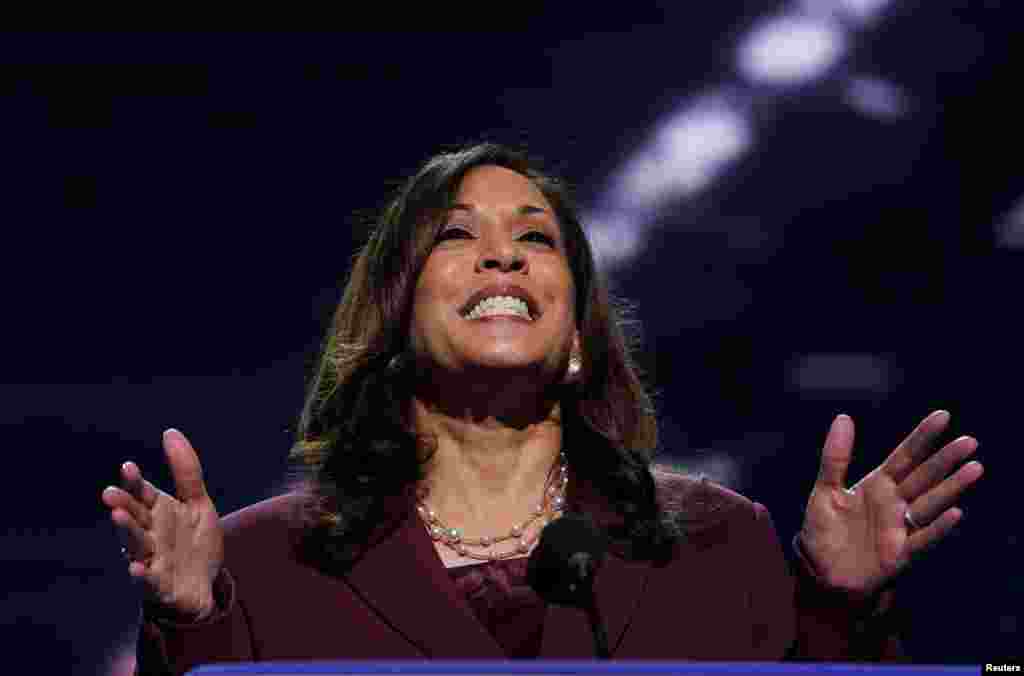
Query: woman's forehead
487, 187
491, 184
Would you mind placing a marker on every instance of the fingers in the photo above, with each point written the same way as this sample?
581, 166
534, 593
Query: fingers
130, 511
935, 531
836, 454
902, 461
937, 467
185, 467
135, 497
938, 501
117, 498
132, 536
136, 485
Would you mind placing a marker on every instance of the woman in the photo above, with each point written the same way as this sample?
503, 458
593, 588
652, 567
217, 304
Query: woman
476, 384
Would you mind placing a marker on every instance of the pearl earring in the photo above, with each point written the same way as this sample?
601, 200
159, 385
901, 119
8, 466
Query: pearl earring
572, 374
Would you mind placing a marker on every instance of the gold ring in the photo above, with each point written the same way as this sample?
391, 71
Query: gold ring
909, 520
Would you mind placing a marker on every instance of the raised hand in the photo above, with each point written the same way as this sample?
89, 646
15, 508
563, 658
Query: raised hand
175, 545
858, 538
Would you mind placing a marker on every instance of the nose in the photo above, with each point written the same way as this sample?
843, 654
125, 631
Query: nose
505, 256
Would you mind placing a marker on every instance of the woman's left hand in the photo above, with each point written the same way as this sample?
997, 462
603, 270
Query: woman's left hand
858, 538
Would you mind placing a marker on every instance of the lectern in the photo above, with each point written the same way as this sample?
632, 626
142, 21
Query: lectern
525, 668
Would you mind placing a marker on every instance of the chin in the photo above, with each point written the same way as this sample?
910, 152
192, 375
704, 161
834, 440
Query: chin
503, 363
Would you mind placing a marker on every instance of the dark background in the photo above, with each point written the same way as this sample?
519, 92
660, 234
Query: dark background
178, 214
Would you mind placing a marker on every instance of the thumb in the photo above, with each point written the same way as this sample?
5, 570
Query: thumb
185, 467
837, 452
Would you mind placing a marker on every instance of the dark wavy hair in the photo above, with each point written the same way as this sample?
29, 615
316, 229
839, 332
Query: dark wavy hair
356, 456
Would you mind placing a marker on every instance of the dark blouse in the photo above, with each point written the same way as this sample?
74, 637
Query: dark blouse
504, 603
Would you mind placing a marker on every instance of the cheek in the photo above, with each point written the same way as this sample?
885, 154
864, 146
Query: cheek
434, 297
565, 297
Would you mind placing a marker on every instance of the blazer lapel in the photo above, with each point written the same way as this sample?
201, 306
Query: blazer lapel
618, 589
424, 607
403, 578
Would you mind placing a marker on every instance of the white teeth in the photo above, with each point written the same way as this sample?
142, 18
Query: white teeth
500, 305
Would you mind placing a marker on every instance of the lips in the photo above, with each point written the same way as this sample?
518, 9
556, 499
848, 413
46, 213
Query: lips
502, 290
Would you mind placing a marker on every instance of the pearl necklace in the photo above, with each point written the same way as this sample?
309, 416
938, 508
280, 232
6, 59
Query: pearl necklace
552, 502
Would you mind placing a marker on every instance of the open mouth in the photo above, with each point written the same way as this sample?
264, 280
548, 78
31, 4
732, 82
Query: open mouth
504, 307
506, 300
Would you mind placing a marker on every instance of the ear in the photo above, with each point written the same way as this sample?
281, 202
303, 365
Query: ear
574, 373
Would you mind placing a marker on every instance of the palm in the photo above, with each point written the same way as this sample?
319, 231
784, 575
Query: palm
857, 538
187, 548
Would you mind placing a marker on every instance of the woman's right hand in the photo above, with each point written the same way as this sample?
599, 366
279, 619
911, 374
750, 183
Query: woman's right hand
176, 545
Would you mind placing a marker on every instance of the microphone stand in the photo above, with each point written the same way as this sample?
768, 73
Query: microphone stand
597, 628
583, 565
563, 566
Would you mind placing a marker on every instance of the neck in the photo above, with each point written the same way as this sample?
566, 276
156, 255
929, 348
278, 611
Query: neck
486, 475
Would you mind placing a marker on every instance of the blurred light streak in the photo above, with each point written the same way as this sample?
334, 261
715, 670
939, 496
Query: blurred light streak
863, 10
860, 11
877, 98
693, 148
614, 238
791, 49
866, 373
688, 153
1010, 231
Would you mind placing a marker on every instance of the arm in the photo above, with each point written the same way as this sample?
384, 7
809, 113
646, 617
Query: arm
170, 644
854, 629
795, 614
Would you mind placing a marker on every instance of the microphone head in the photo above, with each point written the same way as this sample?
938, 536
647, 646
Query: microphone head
562, 567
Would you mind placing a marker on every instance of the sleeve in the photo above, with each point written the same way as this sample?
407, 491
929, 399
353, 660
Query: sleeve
170, 645
792, 605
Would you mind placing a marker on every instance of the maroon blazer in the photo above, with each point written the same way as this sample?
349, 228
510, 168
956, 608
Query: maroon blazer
728, 593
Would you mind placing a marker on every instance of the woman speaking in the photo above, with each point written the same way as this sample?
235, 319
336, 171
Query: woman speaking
475, 385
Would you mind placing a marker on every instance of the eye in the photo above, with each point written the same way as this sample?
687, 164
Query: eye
444, 234
543, 237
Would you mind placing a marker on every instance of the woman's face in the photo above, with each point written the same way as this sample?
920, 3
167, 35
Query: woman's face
501, 238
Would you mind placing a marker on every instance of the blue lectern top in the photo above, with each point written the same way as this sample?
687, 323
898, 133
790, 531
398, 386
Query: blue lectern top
524, 667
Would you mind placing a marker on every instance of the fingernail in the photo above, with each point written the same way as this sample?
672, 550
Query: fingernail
169, 430
124, 466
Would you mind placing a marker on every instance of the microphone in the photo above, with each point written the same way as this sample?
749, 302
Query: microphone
561, 569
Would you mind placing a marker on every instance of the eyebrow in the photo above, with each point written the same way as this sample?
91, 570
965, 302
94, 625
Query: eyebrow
524, 210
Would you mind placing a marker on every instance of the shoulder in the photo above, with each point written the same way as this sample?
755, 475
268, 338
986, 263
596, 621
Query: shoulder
275, 519
696, 503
